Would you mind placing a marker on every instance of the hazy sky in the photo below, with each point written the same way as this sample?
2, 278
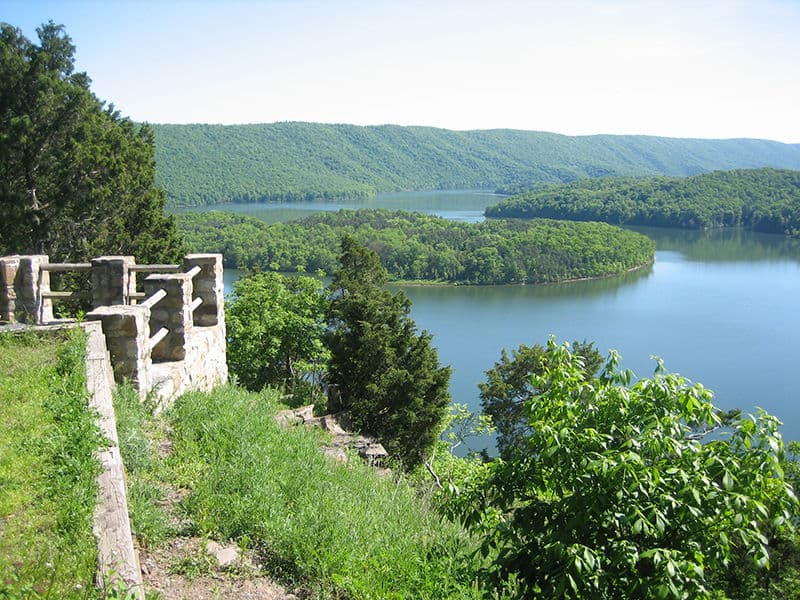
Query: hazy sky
699, 68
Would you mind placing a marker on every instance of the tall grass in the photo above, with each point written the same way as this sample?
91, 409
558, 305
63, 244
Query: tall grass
47, 471
340, 529
138, 436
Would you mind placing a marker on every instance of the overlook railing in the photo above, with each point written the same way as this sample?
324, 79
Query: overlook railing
178, 319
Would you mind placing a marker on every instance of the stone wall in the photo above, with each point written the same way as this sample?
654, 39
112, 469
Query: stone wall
193, 357
166, 341
117, 560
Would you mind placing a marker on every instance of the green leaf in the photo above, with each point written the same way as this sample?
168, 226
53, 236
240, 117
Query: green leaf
671, 568
727, 481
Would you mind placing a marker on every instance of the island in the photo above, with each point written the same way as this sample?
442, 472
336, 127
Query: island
424, 248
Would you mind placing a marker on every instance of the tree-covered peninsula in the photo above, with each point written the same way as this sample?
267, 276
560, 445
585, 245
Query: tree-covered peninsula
422, 247
210, 164
766, 200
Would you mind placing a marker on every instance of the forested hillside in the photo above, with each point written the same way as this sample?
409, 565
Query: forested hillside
412, 246
766, 200
209, 164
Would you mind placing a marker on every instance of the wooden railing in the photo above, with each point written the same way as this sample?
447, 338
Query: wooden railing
128, 297
65, 268
167, 340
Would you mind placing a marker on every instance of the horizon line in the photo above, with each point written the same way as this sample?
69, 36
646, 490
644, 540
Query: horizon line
341, 123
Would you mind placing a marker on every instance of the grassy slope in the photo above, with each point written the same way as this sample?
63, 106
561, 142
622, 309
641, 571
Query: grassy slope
337, 530
47, 473
208, 164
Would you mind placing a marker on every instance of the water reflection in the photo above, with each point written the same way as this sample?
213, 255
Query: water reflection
457, 205
605, 286
724, 245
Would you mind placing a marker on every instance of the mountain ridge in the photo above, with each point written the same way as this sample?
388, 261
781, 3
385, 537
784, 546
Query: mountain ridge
209, 164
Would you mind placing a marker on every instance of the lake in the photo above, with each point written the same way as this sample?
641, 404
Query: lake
458, 205
720, 307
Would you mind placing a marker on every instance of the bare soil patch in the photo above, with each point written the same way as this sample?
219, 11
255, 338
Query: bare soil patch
195, 569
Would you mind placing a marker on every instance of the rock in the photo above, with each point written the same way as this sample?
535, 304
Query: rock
225, 555
338, 425
296, 416
313, 422
336, 454
331, 423
373, 453
375, 450
306, 413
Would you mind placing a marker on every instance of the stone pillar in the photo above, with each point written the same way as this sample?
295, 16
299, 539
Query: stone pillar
128, 341
209, 286
174, 312
9, 265
25, 303
112, 280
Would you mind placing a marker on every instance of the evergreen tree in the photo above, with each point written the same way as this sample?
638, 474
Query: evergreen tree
388, 375
76, 178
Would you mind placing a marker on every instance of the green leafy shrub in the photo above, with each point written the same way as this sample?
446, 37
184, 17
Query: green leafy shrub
619, 495
275, 326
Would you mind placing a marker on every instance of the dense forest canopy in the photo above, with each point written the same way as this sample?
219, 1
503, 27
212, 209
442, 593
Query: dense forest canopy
766, 200
422, 247
211, 164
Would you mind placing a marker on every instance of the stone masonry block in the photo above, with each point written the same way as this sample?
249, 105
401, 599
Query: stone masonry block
126, 329
172, 312
112, 280
30, 283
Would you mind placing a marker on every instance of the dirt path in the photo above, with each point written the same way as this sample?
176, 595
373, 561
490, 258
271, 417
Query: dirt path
193, 569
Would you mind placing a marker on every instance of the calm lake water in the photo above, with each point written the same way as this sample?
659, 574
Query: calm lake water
719, 307
459, 205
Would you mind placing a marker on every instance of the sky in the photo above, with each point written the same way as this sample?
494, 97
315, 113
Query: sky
677, 68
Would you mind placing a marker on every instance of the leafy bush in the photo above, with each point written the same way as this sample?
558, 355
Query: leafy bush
619, 496
275, 326
508, 387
